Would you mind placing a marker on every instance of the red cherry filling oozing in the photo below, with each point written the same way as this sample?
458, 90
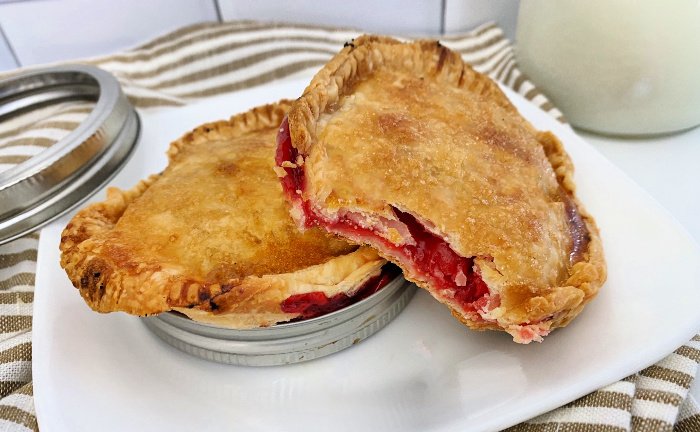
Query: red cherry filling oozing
314, 304
294, 179
431, 257
452, 274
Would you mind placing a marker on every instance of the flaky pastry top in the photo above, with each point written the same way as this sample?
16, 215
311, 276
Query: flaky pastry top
213, 227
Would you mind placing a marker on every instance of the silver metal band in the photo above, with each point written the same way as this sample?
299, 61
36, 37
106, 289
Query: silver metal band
286, 343
57, 179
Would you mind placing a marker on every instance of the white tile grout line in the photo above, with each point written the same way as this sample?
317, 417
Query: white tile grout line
12, 1
443, 11
217, 8
4, 38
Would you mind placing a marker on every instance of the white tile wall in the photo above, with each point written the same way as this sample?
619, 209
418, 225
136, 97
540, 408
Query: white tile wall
43, 31
462, 15
404, 17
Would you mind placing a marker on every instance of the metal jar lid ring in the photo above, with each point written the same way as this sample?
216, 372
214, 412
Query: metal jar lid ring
288, 343
59, 178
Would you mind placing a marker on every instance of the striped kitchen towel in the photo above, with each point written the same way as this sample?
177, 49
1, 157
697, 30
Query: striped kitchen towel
214, 58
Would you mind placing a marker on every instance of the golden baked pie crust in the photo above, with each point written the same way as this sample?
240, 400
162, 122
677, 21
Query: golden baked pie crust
378, 99
210, 237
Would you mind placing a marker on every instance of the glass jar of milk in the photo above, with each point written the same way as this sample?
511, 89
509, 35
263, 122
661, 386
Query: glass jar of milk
626, 67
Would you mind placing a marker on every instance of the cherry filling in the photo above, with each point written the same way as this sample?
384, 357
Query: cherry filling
313, 304
294, 179
431, 257
448, 271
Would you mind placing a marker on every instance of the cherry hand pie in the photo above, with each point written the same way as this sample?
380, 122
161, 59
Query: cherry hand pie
403, 147
211, 237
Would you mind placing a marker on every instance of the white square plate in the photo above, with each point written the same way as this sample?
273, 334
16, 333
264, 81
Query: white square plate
424, 372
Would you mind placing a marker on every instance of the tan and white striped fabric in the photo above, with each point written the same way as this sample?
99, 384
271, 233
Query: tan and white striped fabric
215, 58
